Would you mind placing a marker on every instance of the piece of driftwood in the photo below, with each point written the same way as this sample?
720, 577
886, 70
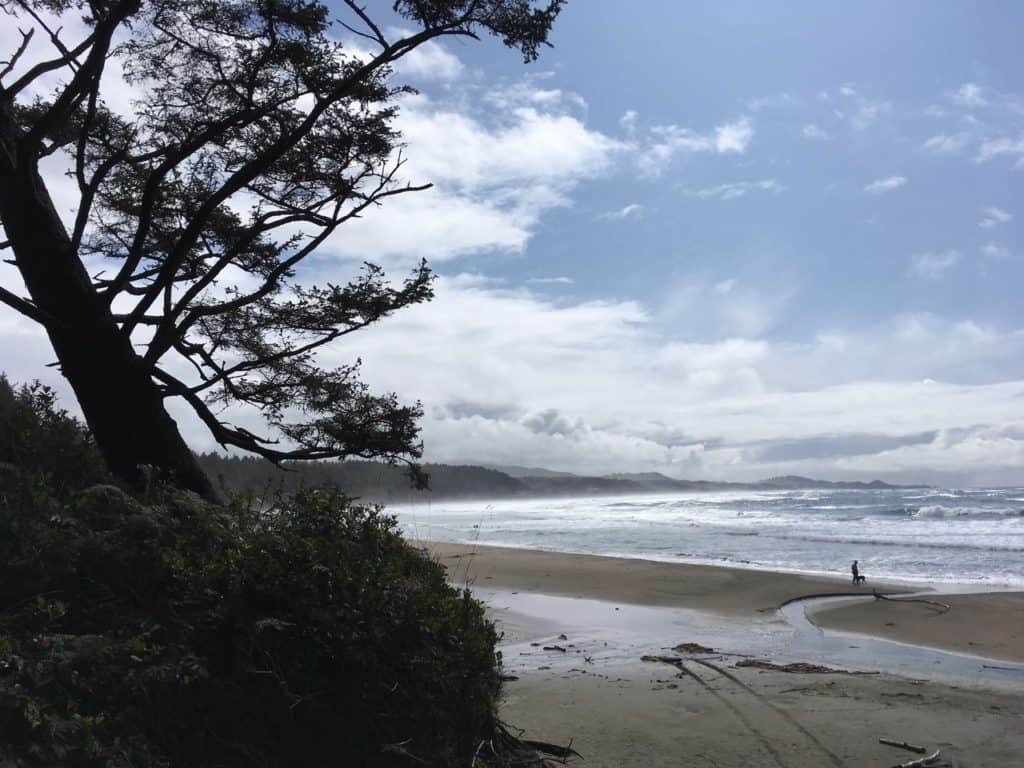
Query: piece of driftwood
692, 648
794, 667
943, 606
662, 659
554, 648
506, 749
920, 763
903, 745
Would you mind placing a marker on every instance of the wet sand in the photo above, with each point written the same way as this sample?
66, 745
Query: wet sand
980, 624
983, 624
594, 691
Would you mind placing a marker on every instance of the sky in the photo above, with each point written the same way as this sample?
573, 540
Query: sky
716, 240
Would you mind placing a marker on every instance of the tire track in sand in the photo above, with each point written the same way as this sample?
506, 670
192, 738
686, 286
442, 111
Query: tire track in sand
740, 699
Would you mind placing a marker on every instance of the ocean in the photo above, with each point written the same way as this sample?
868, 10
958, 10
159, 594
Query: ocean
973, 537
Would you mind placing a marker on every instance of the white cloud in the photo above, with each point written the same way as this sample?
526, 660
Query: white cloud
672, 403
550, 281
493, 178
932, 266
734, 137
999, 147
665, 142
814, 131
995, 250
429, 61
511, 385
969, 95
628, 121
946, 143
992, 216
737, 189
631, 211
887, 184
859, 111
725, 286
781, 100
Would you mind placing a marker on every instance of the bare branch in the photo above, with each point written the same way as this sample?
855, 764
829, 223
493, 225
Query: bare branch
377, 35
10, 64
27, 308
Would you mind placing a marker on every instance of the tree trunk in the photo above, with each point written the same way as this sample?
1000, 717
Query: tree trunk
122, 405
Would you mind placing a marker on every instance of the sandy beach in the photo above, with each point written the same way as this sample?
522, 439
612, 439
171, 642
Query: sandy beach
982, 624
726, 591
576, 671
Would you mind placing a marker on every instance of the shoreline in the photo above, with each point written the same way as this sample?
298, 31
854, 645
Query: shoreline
987, 625
576, 629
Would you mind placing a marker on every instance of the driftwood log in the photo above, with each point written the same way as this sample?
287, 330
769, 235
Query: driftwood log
903, 745
920, 763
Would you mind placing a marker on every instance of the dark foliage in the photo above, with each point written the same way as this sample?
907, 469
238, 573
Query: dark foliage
164, 631
367, 480
256, 134
42, 439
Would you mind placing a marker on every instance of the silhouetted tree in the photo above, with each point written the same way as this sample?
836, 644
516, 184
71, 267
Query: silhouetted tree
254, 135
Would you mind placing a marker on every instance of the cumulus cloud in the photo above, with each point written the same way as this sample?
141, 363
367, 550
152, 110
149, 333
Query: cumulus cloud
887, 184
675, 404
430, 61
993, 217
734, 137
511, 376
932, 266
493, 178
628, 121
737, 189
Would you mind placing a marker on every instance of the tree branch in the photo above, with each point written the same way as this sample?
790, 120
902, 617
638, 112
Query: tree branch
260, 163
28, 309
10, 64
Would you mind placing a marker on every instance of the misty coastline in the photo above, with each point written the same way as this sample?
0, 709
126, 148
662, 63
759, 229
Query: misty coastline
384, 483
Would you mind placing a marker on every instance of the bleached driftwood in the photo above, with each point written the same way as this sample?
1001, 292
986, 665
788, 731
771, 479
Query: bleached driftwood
922, 762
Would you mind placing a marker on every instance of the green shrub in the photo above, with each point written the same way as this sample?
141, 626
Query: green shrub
43, 440
166, 631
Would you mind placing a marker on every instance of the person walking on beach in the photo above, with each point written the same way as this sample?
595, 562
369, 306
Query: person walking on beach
857, 578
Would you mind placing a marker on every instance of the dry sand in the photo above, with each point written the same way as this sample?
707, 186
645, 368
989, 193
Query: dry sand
653, 715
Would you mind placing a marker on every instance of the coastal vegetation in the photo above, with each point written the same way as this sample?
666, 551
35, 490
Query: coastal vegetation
153, 628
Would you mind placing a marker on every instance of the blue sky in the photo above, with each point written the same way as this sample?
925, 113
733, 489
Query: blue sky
730, 240
727, 239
